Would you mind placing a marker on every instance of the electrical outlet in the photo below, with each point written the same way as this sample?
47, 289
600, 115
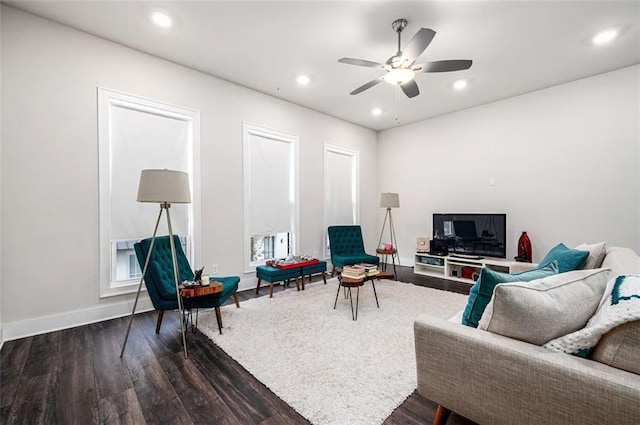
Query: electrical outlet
214, 269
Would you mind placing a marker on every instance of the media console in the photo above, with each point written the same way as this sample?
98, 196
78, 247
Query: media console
463, 269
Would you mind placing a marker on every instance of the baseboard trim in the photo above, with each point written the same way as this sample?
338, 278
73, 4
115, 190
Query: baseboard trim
71, 319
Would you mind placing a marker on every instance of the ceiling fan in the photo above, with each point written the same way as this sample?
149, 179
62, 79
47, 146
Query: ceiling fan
401, 68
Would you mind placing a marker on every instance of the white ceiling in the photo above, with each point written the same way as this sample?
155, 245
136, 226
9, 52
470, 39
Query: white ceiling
516, 46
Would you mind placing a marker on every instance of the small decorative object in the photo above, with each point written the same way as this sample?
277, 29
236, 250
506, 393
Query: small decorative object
524, 248
388, 246
204, 281
198, 275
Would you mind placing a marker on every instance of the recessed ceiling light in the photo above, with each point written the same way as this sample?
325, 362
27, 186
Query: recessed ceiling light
460, 84
303, 80
161, 19
605, 36
376, 111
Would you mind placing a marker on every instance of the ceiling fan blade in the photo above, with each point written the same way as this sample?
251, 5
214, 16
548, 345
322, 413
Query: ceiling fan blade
410, 88
443, 66
368, 85
361, 62
418, 44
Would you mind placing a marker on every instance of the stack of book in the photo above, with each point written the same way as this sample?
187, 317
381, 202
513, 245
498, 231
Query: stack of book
354, 272
360, 271
370, 269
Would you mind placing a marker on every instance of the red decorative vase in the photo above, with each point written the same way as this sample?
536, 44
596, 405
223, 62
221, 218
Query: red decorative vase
524, 248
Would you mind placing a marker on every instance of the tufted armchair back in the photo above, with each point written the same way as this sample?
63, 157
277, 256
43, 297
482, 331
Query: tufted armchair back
346, 240
159, 278
347, 247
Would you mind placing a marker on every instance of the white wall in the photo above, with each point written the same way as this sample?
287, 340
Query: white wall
50, 159
565, 162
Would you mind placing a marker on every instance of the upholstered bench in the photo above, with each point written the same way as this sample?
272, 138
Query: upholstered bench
320, 267
273, 275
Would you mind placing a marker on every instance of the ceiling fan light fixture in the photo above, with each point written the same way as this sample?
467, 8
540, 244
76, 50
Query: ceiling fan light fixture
399, 76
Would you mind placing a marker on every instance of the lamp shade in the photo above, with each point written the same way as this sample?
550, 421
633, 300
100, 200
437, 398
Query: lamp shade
164, 186
389, 200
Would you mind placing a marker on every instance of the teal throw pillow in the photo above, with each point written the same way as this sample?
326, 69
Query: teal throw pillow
481, 291
568, 259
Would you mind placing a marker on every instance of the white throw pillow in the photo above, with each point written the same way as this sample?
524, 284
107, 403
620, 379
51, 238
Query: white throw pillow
543, 309
597, 251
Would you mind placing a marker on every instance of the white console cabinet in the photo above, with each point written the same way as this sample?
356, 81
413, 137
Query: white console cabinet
462, 269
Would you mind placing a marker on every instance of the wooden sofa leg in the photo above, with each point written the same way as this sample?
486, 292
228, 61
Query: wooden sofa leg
160, 314
442, 414
235, 298
258, 287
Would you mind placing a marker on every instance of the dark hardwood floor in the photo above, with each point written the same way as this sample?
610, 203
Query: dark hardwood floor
75, 376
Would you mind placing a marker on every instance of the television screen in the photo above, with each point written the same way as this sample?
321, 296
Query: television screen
471, 234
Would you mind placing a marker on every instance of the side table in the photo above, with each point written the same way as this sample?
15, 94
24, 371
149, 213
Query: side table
384, 253
189, 292
349, 282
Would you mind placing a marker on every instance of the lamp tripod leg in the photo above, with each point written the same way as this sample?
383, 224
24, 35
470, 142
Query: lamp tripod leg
176, 279
394, 242
144, 272
387, 214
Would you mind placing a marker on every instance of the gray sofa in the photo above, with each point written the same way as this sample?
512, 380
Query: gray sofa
492, 379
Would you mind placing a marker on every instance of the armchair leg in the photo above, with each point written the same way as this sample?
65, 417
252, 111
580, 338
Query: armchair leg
235, 298
258, 287
442, 414
324, 277
333, 271
160, 315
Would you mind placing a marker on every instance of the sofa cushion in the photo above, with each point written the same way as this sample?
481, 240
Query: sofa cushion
568, 259
544, 309
621, 260
481, 291
596, 255
620, 347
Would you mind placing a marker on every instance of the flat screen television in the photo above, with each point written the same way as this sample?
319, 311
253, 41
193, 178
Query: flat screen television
471, 234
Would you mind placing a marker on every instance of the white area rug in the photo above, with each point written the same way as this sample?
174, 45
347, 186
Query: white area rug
329, 368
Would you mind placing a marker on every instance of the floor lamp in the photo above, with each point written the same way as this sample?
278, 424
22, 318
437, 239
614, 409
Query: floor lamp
164, 187
388, 201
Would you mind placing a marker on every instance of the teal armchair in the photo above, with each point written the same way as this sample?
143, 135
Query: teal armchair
160, 283
347, 247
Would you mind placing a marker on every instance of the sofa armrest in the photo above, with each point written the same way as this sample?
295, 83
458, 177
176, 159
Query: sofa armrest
490, 378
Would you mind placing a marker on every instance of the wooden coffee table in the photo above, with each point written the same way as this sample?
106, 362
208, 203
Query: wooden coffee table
349, 282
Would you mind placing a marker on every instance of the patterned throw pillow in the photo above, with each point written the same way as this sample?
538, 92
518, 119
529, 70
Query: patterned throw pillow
621, 304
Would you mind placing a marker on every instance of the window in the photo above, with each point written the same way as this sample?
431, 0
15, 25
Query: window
340, 188
270, 194
136, 134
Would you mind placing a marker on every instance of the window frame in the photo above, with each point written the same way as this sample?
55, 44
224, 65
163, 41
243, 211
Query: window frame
248, 130
107, 100
355, 155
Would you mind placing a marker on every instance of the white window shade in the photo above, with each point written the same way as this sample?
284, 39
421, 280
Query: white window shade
144, 140
271, 197
340, 191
